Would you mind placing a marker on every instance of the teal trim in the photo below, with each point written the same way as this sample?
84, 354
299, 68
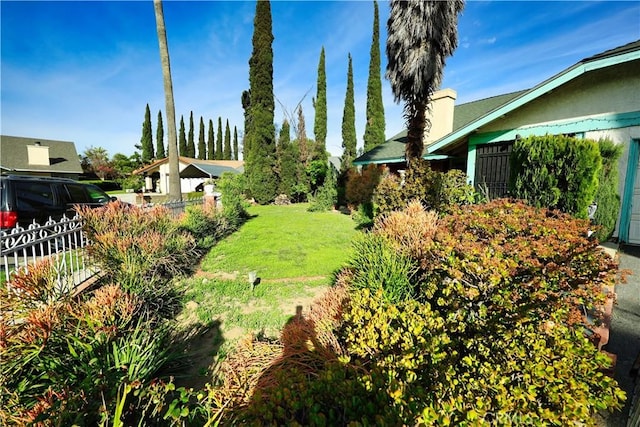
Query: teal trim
580, 126
542, 88
401, 159
627, 197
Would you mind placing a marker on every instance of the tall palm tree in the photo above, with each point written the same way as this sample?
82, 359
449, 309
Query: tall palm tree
420, 36
175, 193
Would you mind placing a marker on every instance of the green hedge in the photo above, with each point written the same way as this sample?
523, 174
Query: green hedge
556, 172
607, 196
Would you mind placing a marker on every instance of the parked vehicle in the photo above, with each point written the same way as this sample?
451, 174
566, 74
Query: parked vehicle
24, 199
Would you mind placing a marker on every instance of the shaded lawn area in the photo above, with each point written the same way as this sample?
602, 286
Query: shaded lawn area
283, 242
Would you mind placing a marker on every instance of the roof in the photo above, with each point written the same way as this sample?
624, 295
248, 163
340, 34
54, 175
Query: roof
394, 148
198, 165
471, 116
63, 157
206, 170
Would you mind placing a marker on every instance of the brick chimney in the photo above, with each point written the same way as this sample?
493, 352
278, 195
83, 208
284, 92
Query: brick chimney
38, 154
441, 115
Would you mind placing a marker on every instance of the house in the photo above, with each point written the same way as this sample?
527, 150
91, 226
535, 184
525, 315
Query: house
40, 157
193, 172
598, 97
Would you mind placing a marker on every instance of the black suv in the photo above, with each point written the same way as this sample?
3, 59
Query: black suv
24, 199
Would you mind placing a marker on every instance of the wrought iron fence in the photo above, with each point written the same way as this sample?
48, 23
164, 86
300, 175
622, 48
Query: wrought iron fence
61, 241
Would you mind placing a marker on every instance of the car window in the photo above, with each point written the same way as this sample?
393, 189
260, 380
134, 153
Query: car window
96, 195
75, 194
34, 195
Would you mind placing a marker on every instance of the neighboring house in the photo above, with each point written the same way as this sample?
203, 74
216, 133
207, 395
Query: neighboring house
40, 157
599, 97
193, 172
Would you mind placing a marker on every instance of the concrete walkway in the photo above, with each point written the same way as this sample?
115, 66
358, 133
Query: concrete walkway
624, 339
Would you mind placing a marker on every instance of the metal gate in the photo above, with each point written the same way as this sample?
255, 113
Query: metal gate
492, 168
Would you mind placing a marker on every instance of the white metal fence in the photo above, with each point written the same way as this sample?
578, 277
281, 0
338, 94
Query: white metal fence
61, 241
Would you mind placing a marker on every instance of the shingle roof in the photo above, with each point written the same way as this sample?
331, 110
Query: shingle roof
232, 164
394, 147
63, 157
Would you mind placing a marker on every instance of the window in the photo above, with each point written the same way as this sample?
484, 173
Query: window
34, 196
75, 194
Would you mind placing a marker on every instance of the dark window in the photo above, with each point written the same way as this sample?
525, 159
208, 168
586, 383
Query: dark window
96, 195
34, 196
75, 194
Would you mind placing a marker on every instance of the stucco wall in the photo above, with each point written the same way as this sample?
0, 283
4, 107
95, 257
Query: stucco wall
611, 90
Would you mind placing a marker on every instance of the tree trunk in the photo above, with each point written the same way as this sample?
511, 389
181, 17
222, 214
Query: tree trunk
175, 192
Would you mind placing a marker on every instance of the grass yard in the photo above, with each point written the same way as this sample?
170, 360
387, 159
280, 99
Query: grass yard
293, 251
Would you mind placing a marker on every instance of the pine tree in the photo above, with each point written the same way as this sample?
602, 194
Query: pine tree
211, 147
219, 152
202, 148
286, 161
182, 139
261, 179
146, 141
349, 139
320, 105
236, 155
160, 153
375, 125
191, 144
226, 154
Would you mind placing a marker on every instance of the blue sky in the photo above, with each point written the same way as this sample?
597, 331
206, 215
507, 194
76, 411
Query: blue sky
83, 71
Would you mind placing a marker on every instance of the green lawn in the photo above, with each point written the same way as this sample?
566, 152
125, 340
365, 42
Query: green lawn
281, 242
294, 253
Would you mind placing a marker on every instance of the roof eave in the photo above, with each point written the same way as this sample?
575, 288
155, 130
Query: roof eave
539, 90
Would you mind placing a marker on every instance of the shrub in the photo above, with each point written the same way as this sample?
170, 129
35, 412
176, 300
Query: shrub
66, 361
234, 204
361, 185
607, 197
326, 196
137, 248
556, 172
207, 226
436, 190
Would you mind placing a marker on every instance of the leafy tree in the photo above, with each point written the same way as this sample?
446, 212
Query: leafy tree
375, 125
235, 144
226, 154
160, 154
182, 144
202, 148
96, 160
260, 136
420, 36
320, 105
146, 141
175, 190
211, 148
123, 165
219, 152
191, 145
349, 139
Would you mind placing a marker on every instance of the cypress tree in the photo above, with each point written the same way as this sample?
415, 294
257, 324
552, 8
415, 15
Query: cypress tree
160, 154
202, 148
260, 168
375, 126
219, 152
146, 140
211, 149
286, 161
191, 145
320, 105
246, 103
349, 139
182, 139
235, 144
226, 155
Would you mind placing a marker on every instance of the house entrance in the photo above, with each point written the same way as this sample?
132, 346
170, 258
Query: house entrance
492, 168
630, 215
